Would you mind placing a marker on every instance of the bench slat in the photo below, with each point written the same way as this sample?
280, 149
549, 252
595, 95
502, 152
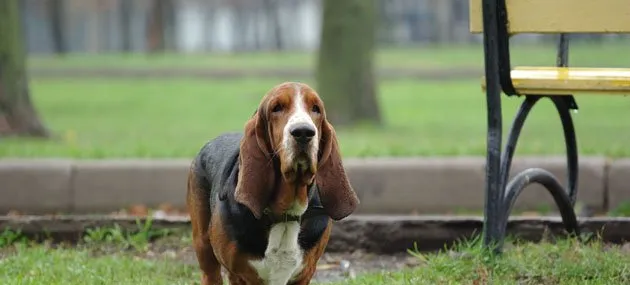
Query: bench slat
572, 80
560, 16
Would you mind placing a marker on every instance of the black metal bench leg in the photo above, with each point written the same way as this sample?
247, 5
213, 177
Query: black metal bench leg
508, 154
515, 132
493, 191
500, 195
563, 106
564, 199
546, 179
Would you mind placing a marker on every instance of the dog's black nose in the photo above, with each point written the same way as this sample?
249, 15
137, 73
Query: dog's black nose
302, 133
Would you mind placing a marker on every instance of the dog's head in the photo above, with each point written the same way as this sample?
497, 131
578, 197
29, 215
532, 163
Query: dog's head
290, 126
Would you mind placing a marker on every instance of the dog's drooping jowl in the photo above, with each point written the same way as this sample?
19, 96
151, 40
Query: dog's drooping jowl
262, 202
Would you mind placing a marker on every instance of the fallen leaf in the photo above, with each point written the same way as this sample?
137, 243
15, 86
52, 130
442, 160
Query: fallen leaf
326, 266
138, 210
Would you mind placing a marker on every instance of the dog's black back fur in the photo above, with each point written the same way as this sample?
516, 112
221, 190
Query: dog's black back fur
216, 167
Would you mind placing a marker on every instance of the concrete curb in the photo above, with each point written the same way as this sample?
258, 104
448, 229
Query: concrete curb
374, 234
384, 185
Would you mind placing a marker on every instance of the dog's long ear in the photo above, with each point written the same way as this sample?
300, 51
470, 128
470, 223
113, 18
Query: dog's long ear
336, 193
256, 176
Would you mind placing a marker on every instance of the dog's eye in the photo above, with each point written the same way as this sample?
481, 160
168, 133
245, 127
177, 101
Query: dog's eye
277, 108
315, 109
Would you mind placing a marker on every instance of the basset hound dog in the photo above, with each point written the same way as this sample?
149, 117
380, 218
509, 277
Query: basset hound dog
261, 203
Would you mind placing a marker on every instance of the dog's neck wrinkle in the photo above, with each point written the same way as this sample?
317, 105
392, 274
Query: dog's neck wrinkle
280, 202
289, 196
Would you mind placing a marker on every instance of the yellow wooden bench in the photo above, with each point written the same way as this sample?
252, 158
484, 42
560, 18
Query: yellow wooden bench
564, 16
565, 81
500, 19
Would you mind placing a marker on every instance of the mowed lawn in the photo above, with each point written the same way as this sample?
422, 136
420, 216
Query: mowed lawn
174, 118
63, 266
609, 54
562, 263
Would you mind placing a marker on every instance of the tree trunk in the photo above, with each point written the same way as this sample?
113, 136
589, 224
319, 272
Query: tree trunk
272, 10
443, 11
125, 8
168, 24
17, 114
56, 25
93, 29
241, 29
155, 35
209, 27
345, 72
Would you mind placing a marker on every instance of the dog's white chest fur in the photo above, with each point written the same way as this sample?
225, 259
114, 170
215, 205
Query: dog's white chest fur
283, 256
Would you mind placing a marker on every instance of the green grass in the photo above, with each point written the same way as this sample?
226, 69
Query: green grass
62, 266
565, 262
173, 118
104, 256
562, 262
609, 54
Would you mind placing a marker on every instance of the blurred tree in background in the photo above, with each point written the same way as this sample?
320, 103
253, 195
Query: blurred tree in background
155, 26
345, 71
125, 8
17, 114
56, 10
160, 24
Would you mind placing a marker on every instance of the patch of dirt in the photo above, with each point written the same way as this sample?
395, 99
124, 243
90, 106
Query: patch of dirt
339, 266
331, 267
4, 252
